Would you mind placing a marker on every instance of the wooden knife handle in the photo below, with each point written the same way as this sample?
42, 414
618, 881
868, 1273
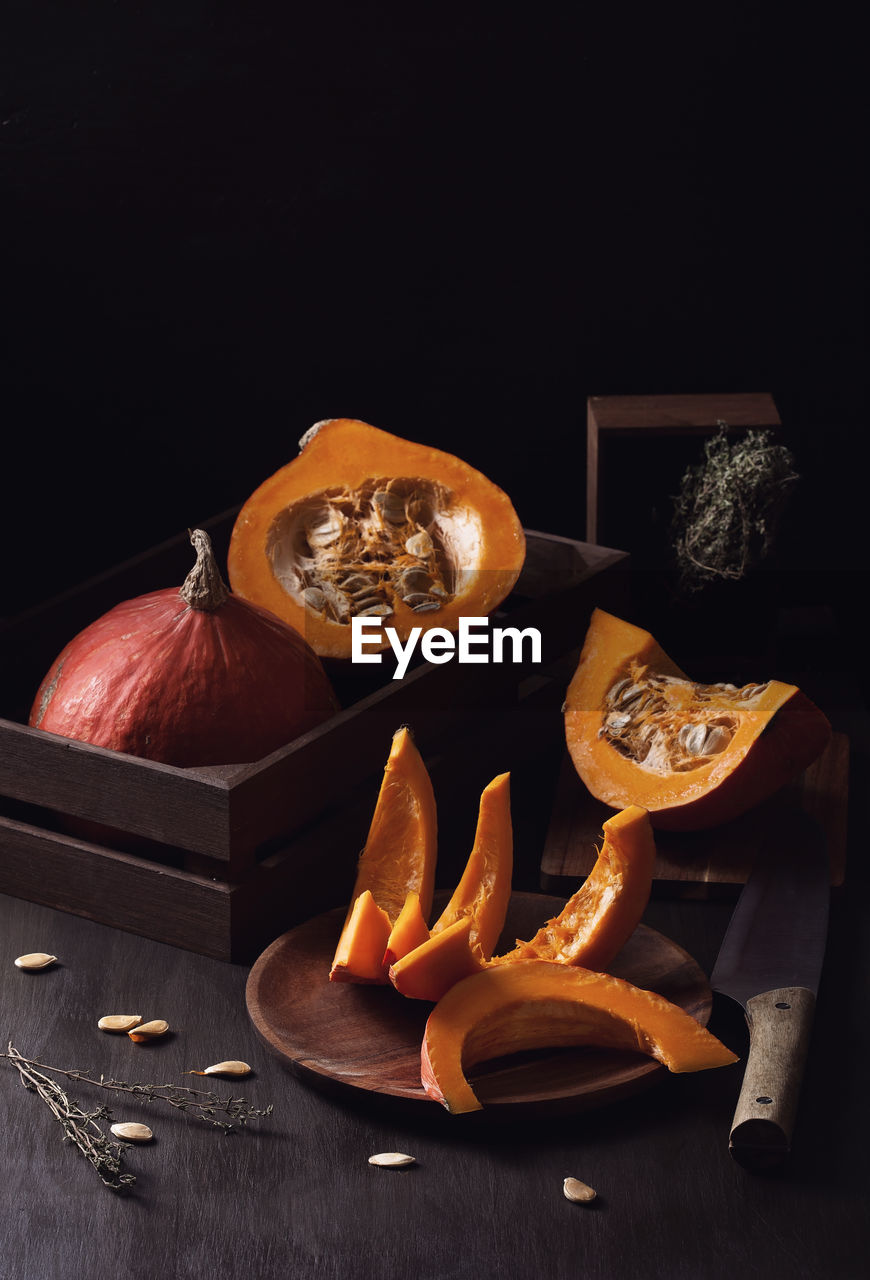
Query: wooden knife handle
779, 1035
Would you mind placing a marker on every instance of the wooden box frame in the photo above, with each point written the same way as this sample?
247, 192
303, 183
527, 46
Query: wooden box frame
613, 419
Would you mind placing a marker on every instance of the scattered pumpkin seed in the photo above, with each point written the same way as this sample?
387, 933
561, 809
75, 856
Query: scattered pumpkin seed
132, 1132
119, 1021
392, 1160
579, 1192
35, 960
231, 1068
149, 1031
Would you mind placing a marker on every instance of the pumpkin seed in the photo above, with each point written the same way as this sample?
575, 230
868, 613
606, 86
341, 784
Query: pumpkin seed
579, 1192
231, 1068
375, 610
693, 738
717, 740
428, 607
314, 599
35, 960
149, 1030
616, 689
419, 544
119, 1021
392, 1160
131, 1132
389, 505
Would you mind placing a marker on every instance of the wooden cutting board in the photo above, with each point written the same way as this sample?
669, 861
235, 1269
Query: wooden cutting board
366, 1039
692, 863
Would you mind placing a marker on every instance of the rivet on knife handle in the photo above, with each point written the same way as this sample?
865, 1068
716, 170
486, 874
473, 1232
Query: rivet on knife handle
779, 1033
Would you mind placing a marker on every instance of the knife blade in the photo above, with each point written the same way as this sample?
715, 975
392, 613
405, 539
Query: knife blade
770, 962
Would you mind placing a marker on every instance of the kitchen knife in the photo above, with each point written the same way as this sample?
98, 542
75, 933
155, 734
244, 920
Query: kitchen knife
769, 962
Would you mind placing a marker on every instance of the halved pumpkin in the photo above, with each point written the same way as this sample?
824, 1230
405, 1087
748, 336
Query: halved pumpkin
364, 523
535, 1005
694, 755
601, 916
463, 937
398, 859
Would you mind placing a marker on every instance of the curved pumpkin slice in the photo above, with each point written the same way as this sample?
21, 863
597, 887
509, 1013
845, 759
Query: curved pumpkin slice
694, 755
364, 522
481, 898
399, 854
536, 1005
601, 916
408, 932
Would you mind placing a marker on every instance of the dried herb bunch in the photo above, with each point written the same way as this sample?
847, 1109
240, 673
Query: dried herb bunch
81, 1127
728, 510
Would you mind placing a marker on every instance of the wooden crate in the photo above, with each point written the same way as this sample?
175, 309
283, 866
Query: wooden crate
218, 859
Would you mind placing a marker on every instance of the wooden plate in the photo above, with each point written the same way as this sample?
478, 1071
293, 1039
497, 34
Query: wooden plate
368, 1038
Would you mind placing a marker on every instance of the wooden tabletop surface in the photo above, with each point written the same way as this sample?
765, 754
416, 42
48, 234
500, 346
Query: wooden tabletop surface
294, 1194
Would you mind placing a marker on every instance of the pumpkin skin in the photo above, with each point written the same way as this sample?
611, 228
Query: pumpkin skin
187, 676
462, 939
693, 755
535, 1005
597, 921
396, 865
322, 505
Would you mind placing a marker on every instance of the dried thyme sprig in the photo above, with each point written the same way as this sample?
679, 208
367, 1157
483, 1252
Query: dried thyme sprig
728, 509
205, 1106
79, 1127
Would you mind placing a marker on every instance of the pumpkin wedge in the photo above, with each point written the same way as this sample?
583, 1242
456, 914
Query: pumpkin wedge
365, 523
601, 916
454, 949
408, 932
641, 732
536, 1005
398, 859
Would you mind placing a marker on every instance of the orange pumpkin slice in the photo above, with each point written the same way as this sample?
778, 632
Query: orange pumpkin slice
409, 931
536, 1005
463, 937
694, 755
398, 860
363, 522
601, 916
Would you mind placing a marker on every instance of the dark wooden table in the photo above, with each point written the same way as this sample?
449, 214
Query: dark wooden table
294, 1195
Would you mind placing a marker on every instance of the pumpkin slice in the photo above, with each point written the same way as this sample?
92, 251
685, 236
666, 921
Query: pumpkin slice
430, 970
365, 523
398, 859
536, 1005
602, 915
481, 898
409, 931
694, 755
359, 956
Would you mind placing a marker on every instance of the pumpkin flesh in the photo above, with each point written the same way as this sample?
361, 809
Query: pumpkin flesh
641, 732
534, 1004
481, 899
601, 916
364, 523
398, 859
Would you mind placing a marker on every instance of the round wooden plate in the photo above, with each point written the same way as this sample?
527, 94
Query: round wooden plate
368, 1037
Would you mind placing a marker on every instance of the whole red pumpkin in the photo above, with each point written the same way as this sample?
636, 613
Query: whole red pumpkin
189, 676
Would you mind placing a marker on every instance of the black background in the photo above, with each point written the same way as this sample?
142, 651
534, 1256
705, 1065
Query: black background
223, 222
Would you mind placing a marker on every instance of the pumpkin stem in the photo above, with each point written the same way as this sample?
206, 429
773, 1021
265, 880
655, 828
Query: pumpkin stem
203, 588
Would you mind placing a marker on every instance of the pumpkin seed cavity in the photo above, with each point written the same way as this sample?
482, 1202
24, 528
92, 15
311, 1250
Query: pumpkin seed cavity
669, 725
345, 553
